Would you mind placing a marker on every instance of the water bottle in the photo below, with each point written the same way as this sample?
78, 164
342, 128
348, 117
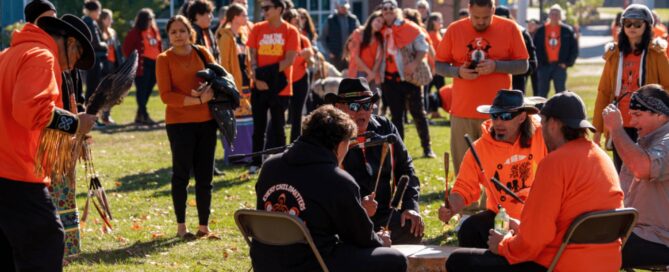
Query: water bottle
502, 221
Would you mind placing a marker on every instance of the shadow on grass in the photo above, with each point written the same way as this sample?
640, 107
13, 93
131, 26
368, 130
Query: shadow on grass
230, 179
145, 181
131, 127
137, 250
429, 198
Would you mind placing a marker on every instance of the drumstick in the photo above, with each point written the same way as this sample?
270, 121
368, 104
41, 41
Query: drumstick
448, 191
384, 153
493, 179
404, 179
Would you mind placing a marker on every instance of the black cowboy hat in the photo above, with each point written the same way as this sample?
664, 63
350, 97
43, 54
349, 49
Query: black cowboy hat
352, 90
75, 28
512, 101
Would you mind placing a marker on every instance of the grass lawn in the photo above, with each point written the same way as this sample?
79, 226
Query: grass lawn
135, 168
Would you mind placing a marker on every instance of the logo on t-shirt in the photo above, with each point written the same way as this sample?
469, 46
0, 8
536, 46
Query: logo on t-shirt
553, 39
515, 173
271, 44
284, 198
478, 48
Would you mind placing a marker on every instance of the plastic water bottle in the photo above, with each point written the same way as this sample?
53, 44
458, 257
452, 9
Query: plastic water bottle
502, 221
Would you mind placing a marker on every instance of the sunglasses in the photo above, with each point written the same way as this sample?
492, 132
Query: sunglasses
388, 7
266, 8
356, 106
633, 24
504, 116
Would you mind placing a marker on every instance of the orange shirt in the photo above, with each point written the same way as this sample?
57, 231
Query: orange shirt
446, 95
175, 75
552, 42
30, 81
272, 44
366, 54
151, 41
501, 41
300, 64
111, 53
659, 31
511, 164
630, 83
576, 178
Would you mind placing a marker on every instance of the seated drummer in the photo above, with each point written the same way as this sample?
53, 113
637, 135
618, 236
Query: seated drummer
355, 98
306, 181
510, 149
644, 176
574, 178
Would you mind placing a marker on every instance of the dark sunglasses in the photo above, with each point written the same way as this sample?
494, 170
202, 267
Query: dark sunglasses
504, 116
356, 106
631, 24
387, 7
266, 8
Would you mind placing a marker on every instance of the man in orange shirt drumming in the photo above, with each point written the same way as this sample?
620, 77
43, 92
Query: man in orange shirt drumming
480, 53
575, 177
510, 149
31, 114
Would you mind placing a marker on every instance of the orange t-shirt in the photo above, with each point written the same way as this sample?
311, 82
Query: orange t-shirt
391, 67
151, 41
366, 54
176, 78
501, 41
300, 64
446, 95
576, 178
111, 53
630, 83
272, 44
552, 42
511, 164
659, 31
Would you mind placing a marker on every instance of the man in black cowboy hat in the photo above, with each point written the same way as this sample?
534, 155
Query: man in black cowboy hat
510, 148
356, 99
31, 236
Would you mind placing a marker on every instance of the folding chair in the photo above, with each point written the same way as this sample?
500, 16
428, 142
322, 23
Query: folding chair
276, 229
599, 227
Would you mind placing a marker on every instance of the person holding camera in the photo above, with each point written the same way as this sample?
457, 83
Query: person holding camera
190, 126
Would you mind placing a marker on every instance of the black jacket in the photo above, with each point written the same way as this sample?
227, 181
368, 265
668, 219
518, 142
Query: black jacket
354, 164
199, 39
568, 45
332, 38
519, 80
76, 90
306, 181
99, 46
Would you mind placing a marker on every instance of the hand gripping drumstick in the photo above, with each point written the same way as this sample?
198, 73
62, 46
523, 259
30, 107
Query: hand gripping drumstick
493, 179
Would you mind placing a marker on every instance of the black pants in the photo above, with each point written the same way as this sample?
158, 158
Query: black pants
31, 234
397, 93
261, 102
642, 253
300, 90
398, 234
482, 260
193, 146
93, 77
617, 161
437, 82
144, 85
474, 231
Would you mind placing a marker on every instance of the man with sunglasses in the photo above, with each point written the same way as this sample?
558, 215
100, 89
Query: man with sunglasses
557, 49
355, 98
510, 149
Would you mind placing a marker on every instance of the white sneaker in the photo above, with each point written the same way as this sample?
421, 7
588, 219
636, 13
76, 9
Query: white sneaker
253, 169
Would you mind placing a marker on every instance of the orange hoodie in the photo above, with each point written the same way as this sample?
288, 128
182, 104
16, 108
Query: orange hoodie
29, 92
576, 178
511, 164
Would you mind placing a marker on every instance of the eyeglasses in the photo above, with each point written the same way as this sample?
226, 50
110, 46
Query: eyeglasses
388, 7
504, 116
356, 106
266, 8
633, 24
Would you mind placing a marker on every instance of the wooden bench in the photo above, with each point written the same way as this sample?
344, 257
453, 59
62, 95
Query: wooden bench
426, 258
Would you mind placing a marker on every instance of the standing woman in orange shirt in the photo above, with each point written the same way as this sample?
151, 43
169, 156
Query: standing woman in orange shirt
190, 126
235, 59
145, 38
365, 52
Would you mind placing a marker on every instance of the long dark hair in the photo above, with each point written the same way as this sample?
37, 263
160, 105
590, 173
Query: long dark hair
367, 34
233, 11
309, 25
624, 42
527, 129
144, 18
434, 16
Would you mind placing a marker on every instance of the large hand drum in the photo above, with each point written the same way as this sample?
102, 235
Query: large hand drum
426, 258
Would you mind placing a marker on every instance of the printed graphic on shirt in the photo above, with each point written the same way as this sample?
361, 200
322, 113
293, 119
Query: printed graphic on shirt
271, 44
283, 198
478, 48
515, 173
553, 39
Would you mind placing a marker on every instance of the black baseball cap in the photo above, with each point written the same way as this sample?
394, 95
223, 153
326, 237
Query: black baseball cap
569, 108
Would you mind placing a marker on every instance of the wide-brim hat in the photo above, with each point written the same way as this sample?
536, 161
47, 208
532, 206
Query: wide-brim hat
352, 90
512, 101
71, 26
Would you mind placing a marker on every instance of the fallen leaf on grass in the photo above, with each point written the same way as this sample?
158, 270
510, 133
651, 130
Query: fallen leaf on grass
136, 226
192, 203
157, 235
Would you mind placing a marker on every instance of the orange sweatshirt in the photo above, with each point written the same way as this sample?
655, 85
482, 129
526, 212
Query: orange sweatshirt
176, 78
30, 78
511, 164
576, 178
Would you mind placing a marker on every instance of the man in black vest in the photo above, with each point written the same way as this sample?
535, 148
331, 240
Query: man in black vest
336, 31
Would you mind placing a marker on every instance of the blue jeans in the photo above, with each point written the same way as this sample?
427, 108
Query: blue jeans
545, 74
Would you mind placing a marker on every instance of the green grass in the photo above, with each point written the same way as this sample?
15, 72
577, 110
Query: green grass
135, 166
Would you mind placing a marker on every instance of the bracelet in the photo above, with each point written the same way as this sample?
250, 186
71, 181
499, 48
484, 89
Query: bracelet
200, 98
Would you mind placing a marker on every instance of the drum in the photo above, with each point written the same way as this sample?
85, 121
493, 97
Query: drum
426, 258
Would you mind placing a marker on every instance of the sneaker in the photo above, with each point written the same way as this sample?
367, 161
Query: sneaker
148, 121
253, 169
428, 153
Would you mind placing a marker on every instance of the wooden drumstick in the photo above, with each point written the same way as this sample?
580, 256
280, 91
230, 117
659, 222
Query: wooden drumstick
384, 153
448, 190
